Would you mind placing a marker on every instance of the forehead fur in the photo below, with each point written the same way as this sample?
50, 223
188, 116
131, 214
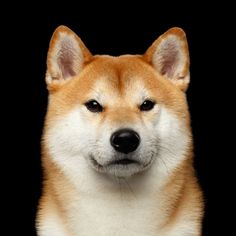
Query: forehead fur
125, 78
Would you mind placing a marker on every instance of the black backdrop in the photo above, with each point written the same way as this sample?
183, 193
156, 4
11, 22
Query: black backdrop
115, 33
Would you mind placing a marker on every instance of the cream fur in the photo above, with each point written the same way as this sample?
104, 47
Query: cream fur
82, 193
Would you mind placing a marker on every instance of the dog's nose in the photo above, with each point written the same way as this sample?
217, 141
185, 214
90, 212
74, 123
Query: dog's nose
125, 140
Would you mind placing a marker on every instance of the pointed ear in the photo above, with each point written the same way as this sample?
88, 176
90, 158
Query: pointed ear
169, 55
66, 56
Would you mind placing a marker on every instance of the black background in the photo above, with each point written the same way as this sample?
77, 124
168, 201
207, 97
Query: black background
117, 30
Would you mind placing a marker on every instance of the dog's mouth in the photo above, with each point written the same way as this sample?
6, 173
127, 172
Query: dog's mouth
125, 161
120, 167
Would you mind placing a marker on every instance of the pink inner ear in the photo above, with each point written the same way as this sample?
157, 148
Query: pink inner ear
168, 59
66, 59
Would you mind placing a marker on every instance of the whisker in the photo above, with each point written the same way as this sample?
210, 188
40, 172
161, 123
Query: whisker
120, 188
164, 163
129, 187
167, 149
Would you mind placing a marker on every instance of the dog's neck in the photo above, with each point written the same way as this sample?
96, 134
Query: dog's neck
111, 201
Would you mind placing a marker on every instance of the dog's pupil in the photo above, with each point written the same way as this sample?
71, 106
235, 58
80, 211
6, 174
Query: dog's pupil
147, 105
93, 106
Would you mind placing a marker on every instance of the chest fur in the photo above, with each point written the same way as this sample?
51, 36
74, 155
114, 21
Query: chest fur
117, 215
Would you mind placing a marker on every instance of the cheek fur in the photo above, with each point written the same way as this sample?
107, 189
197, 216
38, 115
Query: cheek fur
173, 139
71, 134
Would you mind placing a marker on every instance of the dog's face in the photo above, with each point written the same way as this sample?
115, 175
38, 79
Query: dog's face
119, 115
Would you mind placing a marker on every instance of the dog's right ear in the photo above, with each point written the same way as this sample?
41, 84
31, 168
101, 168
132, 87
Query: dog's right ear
66, 56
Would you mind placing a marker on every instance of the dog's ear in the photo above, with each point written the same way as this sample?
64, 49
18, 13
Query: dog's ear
66, 56
169, 55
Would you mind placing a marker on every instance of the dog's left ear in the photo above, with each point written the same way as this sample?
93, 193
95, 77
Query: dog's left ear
169, 55
67, 56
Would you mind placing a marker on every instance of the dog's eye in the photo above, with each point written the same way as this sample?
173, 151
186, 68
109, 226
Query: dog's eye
93, 106
147, 105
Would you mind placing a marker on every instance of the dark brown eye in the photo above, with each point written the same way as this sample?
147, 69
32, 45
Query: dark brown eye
93, 106
147, 105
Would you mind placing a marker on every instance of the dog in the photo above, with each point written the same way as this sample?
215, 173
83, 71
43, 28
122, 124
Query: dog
117, 149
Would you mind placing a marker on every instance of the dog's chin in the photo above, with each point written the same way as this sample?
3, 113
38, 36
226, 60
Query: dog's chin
120, 168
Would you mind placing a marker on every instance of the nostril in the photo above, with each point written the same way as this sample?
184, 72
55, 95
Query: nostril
125, 140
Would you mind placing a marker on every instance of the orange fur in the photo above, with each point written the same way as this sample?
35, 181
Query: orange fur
119, 77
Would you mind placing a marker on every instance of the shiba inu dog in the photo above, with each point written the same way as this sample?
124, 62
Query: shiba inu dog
117, 144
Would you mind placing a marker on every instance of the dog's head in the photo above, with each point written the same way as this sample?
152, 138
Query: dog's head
117, 115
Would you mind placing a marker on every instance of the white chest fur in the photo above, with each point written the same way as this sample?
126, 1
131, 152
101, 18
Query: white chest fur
118, 207
119, 215
125, 212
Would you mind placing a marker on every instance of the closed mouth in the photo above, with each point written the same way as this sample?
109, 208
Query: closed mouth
124, 164
121, 162
124, 161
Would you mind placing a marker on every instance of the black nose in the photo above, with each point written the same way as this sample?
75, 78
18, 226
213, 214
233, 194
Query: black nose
125, 140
